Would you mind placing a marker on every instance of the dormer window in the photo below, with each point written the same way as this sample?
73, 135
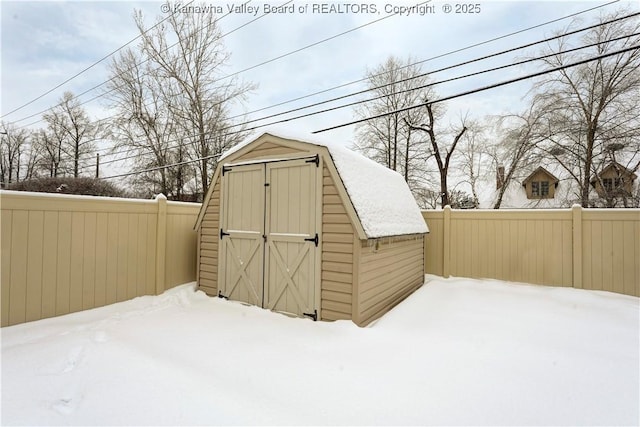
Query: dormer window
540, 184
614, 180
540, 189
610, 184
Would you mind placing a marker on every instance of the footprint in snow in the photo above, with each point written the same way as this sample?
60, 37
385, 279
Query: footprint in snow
65, 405
73, 359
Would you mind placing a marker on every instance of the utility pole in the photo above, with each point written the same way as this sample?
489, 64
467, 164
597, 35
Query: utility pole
97, 165
3, 183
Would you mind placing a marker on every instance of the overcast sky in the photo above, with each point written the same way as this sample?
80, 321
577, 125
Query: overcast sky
45, 43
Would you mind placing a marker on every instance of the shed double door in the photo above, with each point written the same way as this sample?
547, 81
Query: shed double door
269, 237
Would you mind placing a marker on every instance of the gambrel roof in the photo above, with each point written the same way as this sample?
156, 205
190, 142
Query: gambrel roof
377, 199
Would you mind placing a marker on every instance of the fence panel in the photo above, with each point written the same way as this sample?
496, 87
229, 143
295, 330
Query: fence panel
434, 242
62, 254
584, 248
182, 243
611, 253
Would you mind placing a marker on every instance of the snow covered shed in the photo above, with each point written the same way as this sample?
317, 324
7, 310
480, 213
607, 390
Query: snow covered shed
312, 229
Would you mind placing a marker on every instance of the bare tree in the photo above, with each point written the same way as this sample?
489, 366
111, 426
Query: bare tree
389, 140
197, 94
50, 152
442, 151
611, 196
72, 131
143, 124
426, 198
30, 159
4, 158
14, 151
474, 158
514, 150
584, 109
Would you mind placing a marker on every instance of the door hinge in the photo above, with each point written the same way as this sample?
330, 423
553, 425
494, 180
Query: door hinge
222, 296
225, 169
313, 239
313, 315
222, 234
315, 160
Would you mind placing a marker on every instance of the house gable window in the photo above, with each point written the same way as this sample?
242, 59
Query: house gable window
540, 189
540, 184
614, 180
544, 188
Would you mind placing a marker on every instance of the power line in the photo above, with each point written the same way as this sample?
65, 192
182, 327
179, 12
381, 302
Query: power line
398, 92
317, 43
469, 92
351, 104
238, 72
264, 118
229, 75
445, 69
100, 95
162, 167
421, 75
89, 67
410, 78
142, 154
415, 63
300, 49
481, 89
431, 58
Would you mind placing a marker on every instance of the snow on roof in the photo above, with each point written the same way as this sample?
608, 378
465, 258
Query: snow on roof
380, 196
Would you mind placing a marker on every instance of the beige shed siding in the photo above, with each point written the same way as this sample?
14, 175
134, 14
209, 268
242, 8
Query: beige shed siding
267, 150
389, 271
337, 254
209, 239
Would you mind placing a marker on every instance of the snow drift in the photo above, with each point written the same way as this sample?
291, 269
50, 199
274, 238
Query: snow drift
455, 352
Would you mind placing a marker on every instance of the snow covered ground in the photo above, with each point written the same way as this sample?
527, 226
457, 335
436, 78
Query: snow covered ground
458, 351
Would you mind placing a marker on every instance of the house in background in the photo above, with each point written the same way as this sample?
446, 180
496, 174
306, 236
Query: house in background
614, 180
549, 187
540, 184
537, 188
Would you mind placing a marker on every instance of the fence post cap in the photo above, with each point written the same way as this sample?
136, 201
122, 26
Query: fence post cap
576, 206
160, 197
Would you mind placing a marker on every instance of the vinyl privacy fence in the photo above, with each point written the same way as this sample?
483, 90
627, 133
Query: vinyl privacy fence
597, 249
62, 254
